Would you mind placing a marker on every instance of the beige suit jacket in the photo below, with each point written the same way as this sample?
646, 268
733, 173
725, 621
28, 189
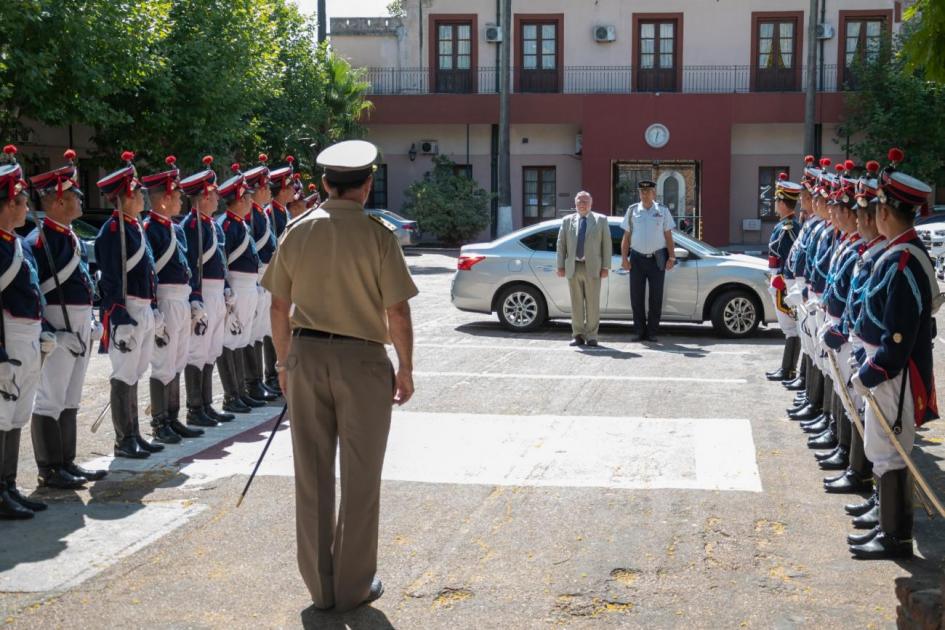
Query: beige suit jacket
598, 245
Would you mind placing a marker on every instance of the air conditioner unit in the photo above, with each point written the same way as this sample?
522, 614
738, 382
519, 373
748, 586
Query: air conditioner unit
824, 31
429, 147
493, 33
605, 33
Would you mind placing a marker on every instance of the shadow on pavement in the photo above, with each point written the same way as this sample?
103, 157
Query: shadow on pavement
430, 271
363, 618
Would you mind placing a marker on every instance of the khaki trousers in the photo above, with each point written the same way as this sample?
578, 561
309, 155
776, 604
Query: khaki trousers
340, 392
585, 302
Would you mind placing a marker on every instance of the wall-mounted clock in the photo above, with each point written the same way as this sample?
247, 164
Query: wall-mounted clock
656, 135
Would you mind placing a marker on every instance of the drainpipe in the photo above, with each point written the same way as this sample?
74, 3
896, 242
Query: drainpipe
810, 96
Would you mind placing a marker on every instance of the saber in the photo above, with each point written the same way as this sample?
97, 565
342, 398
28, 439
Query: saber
275, 428
919, 479
101, 416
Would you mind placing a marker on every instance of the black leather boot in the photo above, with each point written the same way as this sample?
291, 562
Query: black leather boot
151, 447
814, 397
193, 382
126, 445
67, 429
11, 460
856, 509
10, 508
226, 366
826, 454
47, 449
207, 383
894, 540
799, 383
848, 483
870, 519
173, 411
239, 371
839, 460
786, 371
862, 539
817, 425
252, 375
827, 439
160, 426
269, 360
842, 457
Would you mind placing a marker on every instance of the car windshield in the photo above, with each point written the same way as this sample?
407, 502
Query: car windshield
395, 216
695, 245
84, 230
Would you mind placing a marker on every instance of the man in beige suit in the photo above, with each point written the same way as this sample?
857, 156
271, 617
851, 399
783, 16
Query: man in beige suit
584, 254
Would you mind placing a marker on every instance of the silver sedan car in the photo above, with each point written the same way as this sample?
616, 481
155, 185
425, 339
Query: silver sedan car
516, 278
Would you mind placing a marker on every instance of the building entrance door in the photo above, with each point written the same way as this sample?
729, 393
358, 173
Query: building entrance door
677, 188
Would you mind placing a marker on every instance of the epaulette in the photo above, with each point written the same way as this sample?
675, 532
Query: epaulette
377, 219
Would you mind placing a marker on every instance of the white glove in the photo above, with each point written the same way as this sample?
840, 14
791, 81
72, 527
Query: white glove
47, 342
161, 338
853, 363
9, 390
233, 323
858, 386
71, 342
198, 318
124, 338
229, 297
97, 330
158, 319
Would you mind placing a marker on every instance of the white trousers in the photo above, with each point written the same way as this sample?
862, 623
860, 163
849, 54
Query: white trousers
787, 321
129, 367
244, 310
206, 348
174, 303
22, 344
63, 375
262, 324
877, 446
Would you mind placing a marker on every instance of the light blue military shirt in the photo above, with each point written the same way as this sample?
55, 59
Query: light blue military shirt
649, 226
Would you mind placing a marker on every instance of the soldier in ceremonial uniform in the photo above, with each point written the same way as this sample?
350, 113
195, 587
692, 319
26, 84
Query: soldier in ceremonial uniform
207, 261
779, 247
129, 312
243, 269
169, 246
896, 373
335, 372
20, 336
62, 266
259, 220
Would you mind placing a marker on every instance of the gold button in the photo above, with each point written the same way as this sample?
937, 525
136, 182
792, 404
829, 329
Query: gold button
897, 337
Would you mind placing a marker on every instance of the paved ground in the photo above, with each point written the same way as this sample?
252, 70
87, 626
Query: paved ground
527, 485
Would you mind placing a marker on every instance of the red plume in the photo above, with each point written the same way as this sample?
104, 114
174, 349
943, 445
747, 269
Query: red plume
839, 167
127, 156
9, 149
312, 187
290, 159
170, 160
896, 155
296, 176
872, 166
809, 159
69, 154
825, 162
263, 158
235, 167
208, 160
849, 165
782, 177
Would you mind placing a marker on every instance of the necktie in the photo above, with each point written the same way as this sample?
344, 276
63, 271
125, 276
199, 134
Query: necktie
582, 232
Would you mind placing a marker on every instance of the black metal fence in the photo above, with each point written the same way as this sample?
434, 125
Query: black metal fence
600, 80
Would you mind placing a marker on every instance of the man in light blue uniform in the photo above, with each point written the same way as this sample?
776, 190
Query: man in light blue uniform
647, 251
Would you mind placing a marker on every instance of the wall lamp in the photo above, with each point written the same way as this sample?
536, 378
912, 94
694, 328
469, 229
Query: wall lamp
412, 153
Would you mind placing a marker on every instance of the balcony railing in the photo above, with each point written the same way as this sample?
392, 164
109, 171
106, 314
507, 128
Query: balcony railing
600, 80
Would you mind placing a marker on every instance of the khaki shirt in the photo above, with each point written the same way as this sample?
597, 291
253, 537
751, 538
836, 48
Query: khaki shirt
340, 269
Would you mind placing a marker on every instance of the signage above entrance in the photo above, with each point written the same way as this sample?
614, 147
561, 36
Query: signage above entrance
656, 135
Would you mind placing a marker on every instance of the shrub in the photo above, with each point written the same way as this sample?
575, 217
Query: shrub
452, 206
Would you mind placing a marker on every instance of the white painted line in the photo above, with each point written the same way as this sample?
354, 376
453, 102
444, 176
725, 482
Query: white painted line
559, 451
554, 346
592, 377
71, 542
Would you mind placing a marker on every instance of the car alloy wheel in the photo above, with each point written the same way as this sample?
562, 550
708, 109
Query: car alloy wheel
520, 309
739, 315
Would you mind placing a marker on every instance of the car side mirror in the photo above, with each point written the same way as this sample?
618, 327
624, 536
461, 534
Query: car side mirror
680, 253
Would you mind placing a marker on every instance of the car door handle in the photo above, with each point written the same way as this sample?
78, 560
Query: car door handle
622, 272
545, 268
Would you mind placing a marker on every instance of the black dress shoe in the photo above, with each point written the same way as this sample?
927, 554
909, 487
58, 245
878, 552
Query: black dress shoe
639, 338
150, 447
861, 539
29, 504
808, 412
776, 375
855, 509
235, 405
258, 392
817, 425
867, 520
197, 418
652, 338
129, 448
165, 435
797, 385
219, 416
272, 384
592, 343
826, 440
249, 401
826, 455
183, 430
89, 475
377, 589
883, 547
10, 508
59, 478
849, 483
838, 461
577, 341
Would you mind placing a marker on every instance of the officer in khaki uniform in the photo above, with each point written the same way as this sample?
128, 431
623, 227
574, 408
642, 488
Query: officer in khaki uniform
333, 367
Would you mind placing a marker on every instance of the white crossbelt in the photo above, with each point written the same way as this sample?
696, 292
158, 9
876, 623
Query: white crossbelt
234, 256
208, 255
136, 257
14, 267
166, 256
64, 274
265, 237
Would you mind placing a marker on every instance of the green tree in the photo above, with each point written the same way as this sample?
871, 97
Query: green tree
396, 8
896, 107
925, 47
450, 205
